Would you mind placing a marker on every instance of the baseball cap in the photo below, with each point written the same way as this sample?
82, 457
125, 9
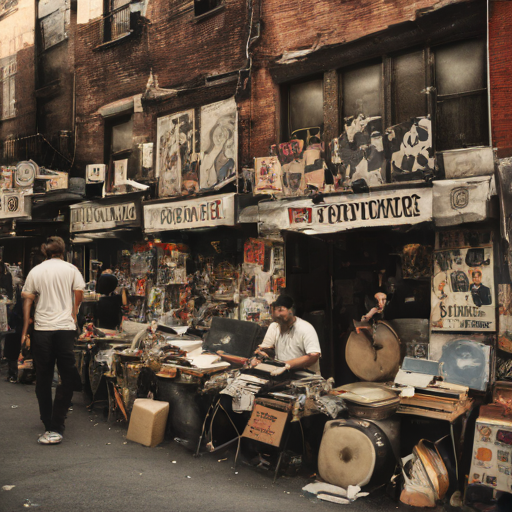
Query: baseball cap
284, 301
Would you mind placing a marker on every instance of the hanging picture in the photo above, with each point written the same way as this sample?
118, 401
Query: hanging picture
463, 290
505, 319
409, 148
268, 176
120, 171
219, 137
174, 148
359, 151
254, 251
294, 183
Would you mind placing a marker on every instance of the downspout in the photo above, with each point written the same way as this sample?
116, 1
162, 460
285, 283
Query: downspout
489, 113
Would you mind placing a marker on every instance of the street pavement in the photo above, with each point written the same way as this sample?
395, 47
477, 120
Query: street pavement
96, 469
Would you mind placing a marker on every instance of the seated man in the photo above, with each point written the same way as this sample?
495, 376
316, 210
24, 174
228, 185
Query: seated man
295, 341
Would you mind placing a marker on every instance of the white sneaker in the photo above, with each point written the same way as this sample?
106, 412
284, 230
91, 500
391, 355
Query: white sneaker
50, 438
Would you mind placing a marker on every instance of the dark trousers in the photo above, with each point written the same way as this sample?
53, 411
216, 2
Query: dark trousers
49, 347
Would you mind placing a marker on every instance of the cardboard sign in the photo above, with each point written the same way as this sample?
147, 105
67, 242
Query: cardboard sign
266, 425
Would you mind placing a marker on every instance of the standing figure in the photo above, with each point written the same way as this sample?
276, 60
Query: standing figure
57, 287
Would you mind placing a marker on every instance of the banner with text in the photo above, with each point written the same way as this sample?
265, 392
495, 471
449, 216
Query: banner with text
193, 213
92, 216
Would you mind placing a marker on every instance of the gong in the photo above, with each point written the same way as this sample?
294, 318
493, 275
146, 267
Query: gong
373, 355
355, 452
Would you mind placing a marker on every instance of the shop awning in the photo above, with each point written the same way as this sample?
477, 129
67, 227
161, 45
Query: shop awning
446, 203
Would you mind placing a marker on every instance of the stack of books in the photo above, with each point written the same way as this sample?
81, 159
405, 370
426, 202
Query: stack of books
442, 400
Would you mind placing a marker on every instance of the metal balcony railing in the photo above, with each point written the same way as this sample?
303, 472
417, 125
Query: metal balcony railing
116, 24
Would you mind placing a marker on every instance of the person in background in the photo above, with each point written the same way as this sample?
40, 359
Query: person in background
109, 308
57, 288
295, 341
13, 338
378, 310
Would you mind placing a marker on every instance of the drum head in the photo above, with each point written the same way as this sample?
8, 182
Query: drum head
377, 362
346, 457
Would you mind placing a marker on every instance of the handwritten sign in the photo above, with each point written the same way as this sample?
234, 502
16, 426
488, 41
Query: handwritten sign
266, 425
339, 213
90, 216
194, 213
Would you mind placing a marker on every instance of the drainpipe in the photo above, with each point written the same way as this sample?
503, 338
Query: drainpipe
489, 79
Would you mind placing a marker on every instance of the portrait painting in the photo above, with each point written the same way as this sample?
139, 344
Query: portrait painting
219, 137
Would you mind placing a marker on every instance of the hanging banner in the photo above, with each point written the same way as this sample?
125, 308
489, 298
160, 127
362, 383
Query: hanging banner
340, 213
460, 201
194, 213
92, 216
463, 296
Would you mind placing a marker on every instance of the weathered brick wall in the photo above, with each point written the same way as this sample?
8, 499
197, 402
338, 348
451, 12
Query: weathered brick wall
294, 26
180, 50
500, 44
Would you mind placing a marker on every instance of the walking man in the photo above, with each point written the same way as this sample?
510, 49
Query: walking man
57, 288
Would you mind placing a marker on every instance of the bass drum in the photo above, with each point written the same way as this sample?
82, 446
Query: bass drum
359, 452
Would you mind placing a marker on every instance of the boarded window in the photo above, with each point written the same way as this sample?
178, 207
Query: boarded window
362, 91
408, 82
306, 105
52, 29
122, 136
460, 79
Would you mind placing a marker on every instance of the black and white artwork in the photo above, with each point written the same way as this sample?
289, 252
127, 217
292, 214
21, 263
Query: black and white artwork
409, 148
219, 135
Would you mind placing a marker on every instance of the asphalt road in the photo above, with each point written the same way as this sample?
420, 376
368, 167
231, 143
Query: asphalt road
96, 469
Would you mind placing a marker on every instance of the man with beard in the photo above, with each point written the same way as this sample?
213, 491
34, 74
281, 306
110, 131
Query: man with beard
295, 341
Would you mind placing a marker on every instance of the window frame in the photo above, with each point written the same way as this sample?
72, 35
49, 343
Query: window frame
8, 74
432, 102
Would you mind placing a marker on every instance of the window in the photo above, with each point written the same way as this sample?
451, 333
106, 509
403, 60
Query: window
362, 91
117, 19
461, 83
303, 108
52, 29
204, 6
8, 68
456, 77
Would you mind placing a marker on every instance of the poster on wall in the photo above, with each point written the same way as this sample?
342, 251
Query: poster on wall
219, 136
268, 176
409, 148
359, 151
463, 296
175, 145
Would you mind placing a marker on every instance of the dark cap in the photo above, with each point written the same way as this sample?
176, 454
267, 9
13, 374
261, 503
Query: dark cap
106, 284
284, 301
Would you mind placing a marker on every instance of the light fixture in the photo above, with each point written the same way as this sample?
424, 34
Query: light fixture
13, 228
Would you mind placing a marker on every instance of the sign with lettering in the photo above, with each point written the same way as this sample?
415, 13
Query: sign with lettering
92, 216
193, 213
463, 297
266, 425
340, 213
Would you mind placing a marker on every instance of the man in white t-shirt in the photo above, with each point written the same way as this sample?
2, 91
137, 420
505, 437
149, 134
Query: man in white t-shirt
57, 289
295, 341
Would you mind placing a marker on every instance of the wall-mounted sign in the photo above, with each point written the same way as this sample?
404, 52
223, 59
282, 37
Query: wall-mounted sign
460, 201
194, 213
13, 205
463, 297
91, 216
340, 213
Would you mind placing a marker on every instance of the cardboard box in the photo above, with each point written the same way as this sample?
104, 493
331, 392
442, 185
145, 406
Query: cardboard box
147, 422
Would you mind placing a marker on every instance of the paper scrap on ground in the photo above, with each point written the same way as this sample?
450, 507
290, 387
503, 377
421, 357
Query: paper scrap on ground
329, 492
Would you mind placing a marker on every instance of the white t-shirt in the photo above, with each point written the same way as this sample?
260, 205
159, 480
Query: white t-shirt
53, 282
299, 340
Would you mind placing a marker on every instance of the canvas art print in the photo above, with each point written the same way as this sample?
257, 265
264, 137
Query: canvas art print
175, 145
219, 135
